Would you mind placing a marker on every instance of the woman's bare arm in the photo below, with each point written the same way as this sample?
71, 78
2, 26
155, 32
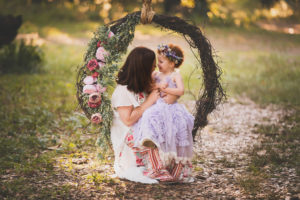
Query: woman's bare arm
129, 115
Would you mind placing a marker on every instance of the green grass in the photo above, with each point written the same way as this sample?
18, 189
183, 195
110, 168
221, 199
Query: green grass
281, 145
279, 150
38, 111
264, 77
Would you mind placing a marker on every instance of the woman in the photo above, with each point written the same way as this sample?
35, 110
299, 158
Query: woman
129, 103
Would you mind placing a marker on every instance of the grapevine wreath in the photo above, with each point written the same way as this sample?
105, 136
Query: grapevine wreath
97, 75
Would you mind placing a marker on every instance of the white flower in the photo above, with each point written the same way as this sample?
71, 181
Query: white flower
89, 89
89, 80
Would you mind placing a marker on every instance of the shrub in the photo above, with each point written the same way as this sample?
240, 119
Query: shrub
18, 57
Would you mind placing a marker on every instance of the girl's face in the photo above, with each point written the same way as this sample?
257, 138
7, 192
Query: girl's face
164, 64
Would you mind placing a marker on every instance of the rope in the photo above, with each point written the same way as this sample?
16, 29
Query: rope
147, 13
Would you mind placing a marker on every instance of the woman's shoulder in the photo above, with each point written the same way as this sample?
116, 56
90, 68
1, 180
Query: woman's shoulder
123, 97
120, 88
119, 91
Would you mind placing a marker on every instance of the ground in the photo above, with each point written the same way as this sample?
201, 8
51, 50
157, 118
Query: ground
249, 150
220, 164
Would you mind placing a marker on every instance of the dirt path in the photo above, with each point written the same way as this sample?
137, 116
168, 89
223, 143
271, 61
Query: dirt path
221, 159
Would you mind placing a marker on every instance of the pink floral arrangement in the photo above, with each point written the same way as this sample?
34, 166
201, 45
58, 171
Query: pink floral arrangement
89, 89
92, 64
100, 88
111, 34
95, 75
99, 43
95, 98
89, 80
101, 53
96, 118
101, 64
94, 105
92, 86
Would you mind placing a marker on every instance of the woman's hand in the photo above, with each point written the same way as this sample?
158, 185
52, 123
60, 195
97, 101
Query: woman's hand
130, 115
151, 99
162, 86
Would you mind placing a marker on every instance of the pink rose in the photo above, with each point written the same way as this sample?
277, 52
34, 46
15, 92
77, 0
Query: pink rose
95, 97
94, 105
130, 138
89, 89
101, 53
111, 34
92, 64
89, 80
95, 75
96, 118
99, 44
100, 88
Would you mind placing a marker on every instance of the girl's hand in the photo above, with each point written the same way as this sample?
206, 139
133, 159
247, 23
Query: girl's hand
163, 86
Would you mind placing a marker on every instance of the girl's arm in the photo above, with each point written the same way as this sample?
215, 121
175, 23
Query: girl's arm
129, 115
179, 91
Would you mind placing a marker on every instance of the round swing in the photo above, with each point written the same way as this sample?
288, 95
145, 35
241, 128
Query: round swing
97, 75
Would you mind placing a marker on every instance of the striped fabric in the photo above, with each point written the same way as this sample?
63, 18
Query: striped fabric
154, 168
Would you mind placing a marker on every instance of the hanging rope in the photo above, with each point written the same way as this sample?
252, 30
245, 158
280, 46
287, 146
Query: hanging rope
147, 12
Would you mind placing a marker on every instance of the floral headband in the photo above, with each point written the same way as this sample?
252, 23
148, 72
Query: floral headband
167, 51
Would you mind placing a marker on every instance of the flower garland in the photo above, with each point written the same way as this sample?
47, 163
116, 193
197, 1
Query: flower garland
96, 78
167, 51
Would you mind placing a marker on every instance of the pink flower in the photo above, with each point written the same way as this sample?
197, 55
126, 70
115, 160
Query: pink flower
100, 88
89, 80
101, 53
141, 95
92, 64
99, 44
95, 97
95, 75
101, 64
111, 34
89, 89
96, 118
94, 105
130, 138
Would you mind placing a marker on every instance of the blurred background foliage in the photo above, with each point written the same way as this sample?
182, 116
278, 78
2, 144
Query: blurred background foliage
240, 13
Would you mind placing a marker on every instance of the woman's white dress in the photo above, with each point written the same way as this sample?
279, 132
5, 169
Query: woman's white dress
125, 166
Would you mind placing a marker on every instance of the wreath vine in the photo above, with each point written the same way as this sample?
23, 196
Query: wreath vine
104, 51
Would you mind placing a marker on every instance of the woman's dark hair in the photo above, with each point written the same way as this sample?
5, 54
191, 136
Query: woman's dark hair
137, 69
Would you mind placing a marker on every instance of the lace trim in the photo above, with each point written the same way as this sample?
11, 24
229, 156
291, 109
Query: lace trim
167, 157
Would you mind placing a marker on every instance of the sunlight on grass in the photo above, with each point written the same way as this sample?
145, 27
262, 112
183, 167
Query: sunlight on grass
265, 77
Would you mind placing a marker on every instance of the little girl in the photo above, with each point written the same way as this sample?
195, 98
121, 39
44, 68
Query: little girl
168, 126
